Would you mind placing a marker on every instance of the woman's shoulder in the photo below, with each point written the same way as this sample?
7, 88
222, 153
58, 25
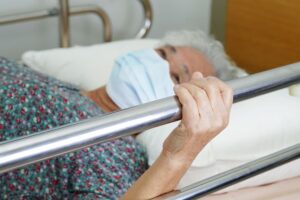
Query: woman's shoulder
32, 102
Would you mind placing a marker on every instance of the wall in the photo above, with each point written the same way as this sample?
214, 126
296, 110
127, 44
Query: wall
126, 17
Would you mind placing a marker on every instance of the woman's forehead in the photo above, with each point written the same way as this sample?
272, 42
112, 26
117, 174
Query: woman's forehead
195, 60
190, 57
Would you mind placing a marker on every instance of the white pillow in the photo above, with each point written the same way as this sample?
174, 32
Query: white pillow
86, 67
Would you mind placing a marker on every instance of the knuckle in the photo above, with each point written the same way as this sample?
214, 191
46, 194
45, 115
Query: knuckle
211, 88
184, 85
200, 93
195, 82
212, 80
193, 78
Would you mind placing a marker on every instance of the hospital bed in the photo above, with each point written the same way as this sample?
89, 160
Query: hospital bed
148, 116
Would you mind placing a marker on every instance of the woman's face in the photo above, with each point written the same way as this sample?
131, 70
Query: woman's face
184, 61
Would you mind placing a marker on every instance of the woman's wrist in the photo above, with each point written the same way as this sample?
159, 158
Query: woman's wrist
162, 177
176, 161
177, 147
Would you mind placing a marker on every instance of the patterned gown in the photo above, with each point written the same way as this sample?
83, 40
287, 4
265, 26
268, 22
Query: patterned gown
31, 102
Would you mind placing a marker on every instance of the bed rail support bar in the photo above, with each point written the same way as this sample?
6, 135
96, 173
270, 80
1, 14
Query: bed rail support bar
4, 20
148, 18
64, 25
234, 175
52, 143
64, 11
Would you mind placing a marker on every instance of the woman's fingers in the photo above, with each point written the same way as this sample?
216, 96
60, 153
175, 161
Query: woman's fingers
212, 90
197, 75
215, 89
201, 99
214, 99
205, 108
206, 104
199, 94
220, 112
226, 91
189, 106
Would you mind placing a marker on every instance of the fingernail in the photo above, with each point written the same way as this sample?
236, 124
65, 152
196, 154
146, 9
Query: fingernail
197, 75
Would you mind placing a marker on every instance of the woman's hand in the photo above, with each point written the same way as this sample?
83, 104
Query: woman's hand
206, 104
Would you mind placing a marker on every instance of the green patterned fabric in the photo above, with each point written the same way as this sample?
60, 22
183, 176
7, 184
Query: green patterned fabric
31, 102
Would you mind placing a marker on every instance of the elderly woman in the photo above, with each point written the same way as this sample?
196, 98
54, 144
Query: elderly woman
31, 102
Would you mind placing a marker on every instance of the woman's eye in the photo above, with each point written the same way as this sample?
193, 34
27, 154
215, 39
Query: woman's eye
175, 79
163, 53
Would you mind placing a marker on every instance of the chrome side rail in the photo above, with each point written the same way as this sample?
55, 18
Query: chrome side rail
52, 143
64, 12
234, 175
148, 18
64, 25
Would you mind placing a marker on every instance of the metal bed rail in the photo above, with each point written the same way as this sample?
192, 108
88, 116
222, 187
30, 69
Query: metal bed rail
64, 25
51, 143
148, 18
235, 175
65, 11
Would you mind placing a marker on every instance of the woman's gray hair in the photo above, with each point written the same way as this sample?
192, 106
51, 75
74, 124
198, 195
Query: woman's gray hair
209, 47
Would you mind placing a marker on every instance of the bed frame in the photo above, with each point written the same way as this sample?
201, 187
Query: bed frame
64, 11
21, 152
258, 34
262, 34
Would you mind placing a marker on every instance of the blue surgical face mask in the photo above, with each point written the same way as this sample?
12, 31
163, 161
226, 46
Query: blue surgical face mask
139, 77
